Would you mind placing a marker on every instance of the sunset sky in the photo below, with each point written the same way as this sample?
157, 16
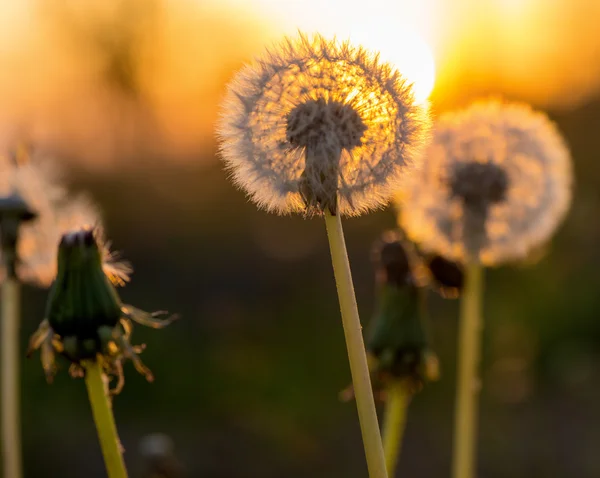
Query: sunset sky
136, 75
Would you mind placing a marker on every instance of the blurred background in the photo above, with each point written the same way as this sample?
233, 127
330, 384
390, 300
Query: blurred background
124, 93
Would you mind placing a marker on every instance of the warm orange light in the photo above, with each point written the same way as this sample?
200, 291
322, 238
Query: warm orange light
397, 30
407, 51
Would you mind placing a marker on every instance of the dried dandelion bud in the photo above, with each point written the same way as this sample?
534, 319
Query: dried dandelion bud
397, 337
85, 319
391, 260
317, 126
82, 299
494, 184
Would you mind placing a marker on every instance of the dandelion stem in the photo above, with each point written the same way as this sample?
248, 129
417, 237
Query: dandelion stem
103, 417
11, 434
398, 398
356, 349
469, 345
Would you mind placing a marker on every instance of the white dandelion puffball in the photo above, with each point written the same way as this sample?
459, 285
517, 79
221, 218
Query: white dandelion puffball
35, 180
495, 182
315, 125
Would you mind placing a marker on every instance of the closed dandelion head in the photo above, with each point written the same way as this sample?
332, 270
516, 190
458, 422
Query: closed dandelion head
397, 339
318, 126
495, 182
393, 260
85, 318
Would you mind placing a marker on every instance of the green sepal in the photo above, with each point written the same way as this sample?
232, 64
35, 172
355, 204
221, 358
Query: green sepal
397, 337
397, 322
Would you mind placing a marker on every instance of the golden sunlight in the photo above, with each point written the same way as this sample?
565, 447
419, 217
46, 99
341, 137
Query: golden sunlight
399, 31
415, 63
144, 78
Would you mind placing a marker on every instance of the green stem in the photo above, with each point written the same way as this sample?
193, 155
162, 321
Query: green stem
468, 385
11, 433
359, 368
103, 417
398, 398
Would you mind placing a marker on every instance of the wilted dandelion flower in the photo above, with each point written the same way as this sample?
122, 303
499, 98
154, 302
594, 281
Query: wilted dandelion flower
495, 182
85, 318
35, 180
397, 336
315, 125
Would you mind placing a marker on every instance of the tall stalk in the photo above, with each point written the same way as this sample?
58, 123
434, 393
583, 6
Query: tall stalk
105, 422
356, 349
468, 385
11, 413
398, 398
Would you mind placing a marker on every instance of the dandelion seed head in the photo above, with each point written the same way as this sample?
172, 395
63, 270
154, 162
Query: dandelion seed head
37, 181
495, 182
316, 125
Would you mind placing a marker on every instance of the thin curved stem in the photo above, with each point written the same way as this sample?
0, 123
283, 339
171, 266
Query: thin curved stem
11, 430
103, 417
468, 385
356, 349
396, 408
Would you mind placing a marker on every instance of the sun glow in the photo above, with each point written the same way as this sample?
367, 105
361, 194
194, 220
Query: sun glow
399, 31
407, 51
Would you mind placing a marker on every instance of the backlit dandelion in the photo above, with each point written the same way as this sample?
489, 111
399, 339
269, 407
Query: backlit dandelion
315, 125
321, 128
495, 183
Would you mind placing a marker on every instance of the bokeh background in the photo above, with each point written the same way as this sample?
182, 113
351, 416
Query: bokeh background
124, 93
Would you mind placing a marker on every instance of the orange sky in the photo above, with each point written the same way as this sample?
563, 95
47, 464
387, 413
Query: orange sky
62, 84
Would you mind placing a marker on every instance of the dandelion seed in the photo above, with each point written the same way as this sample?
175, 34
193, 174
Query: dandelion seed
318, 126
494, 184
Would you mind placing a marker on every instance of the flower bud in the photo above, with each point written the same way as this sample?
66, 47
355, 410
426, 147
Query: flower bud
397, 337
85, 318
82, 299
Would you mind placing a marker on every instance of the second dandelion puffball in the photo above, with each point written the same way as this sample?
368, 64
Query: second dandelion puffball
316, 126
494, 183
